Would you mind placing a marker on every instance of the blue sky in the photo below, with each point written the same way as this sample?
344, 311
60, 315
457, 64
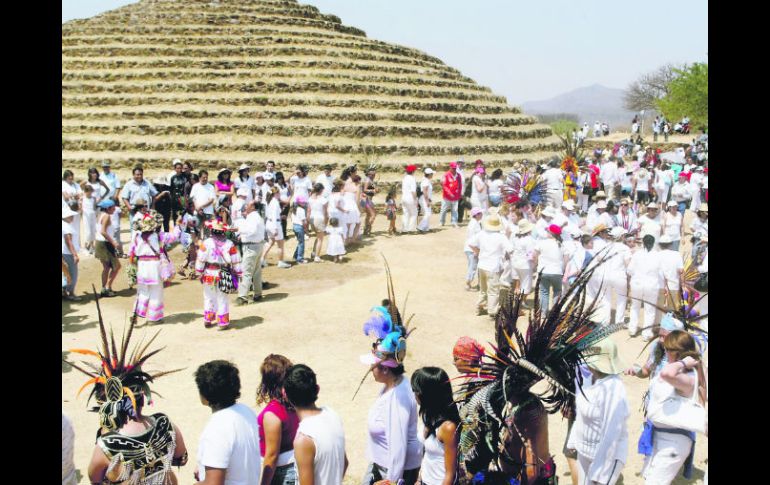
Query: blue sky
525, 50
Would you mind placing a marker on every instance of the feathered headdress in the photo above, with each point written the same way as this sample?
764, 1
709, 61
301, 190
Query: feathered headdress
118, 380
569, 164
524, 187
551, 350
387, 327
681, 306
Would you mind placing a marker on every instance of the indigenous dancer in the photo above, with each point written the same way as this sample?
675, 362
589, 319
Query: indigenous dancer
369, 189
503, 422
569, 166
148, 249
214, 254
130, 447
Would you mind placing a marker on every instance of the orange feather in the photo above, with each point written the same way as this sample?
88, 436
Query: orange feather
131, 396
89, 381
106, 369
85, 352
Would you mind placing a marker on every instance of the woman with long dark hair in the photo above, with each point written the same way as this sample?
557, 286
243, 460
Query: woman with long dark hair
439, 419
318, 217
277, 424
350, 195
284, 196
223, 185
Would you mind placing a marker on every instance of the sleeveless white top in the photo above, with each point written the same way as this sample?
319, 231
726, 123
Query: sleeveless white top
325, 429
432, 469
99, 236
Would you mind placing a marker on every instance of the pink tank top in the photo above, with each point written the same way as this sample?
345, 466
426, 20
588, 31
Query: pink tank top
289, 424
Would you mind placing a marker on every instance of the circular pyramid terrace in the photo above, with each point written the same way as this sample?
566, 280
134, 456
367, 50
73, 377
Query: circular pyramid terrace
225, 82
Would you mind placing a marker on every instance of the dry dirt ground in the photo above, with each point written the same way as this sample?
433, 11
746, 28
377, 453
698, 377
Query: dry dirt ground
313, 314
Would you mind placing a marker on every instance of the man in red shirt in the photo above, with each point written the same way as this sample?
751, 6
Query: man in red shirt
451, 193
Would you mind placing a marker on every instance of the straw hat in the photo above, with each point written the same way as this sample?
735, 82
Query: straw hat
525, 226
599, 229
548, 212
147, 224
243, 167
600, 194
223, 170
605, 359
704, 207
492, 223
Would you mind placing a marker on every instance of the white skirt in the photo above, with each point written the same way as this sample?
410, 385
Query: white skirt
274, 231
335, 246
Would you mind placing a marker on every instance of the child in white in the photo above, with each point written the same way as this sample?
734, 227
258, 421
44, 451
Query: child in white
336, 245
426, 188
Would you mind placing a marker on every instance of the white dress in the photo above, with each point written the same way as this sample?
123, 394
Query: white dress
353, 215
334, 210
336, 244
273, 220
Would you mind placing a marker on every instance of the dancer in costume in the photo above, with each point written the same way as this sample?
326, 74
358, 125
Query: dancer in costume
148, 252
215, 254
394, 450
569, 166
503, 423
369, 189
131, 448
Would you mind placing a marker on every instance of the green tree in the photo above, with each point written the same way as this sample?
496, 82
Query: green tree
688, 95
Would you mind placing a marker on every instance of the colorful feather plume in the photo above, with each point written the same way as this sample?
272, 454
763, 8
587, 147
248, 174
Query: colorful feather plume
379, 324
117, 376
518, 187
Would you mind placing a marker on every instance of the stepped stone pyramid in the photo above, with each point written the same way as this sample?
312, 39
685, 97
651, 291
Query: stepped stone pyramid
230, 81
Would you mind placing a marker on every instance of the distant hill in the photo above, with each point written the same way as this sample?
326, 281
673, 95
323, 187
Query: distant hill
590, 104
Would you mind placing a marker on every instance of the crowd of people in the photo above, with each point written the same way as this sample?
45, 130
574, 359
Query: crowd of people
608, 230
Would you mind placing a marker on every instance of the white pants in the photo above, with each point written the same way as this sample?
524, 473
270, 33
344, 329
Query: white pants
89, 227
582, 200
409, 217
555, 198
149, 301
584, 464
649, 294
669, 452
613, 284
215, 304
489, 291
425, 221
252, 269
662, 193
525, 278
609, 189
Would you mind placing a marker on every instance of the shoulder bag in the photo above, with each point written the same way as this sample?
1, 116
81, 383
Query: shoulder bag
679, 412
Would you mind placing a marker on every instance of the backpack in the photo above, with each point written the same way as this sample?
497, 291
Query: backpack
468, 188
419, 191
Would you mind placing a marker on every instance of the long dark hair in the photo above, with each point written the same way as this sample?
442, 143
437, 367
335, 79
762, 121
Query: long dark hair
348, 171
279, 180
648, 242
436, 400
93, 170
273, 371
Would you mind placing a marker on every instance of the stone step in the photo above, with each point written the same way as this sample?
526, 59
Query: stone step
288, 86
361, 103
356, 115
357, 131
70, 64
72, 77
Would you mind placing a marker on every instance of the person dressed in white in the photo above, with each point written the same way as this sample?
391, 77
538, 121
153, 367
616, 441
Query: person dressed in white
246, 181
627, 217
700, 223
426, 188
251, 231
650, 223
326, 179
273, 229
148, 248
593, 219
680, 192
664, 179
409, 200
72, 194
523, 256
672, 225
609, 176
228, 449
540, 231
554, 179
682, 376
479, 189
318, 217
239, 204
203, 195
671, 265
600, 432
696, 183
645, 274
614, 277
301, 185
490, 246
319, 445
474, 227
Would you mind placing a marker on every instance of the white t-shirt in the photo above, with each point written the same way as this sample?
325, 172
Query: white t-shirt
474, 227
249, 183
550, 259
326, 182
201, 194
492, 247
673, 225
325, 429
670, 263
645, 269
554, 178
301, 186
66, 228
649, 226
298, 217
609, 173
426, 188
494, 188
408, 189
230, 440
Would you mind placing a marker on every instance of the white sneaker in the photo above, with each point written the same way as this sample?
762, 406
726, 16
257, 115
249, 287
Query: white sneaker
283, 264
264, 263
316, 259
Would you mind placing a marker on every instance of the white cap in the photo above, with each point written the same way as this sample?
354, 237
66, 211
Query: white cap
665, 239
175, 161
671, 203
428, 171
243, 167
617, 232
548, 212
568, 204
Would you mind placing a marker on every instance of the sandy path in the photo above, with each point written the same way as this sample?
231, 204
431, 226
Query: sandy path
314, 316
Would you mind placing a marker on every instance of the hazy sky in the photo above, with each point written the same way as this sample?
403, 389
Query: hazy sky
524, 50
